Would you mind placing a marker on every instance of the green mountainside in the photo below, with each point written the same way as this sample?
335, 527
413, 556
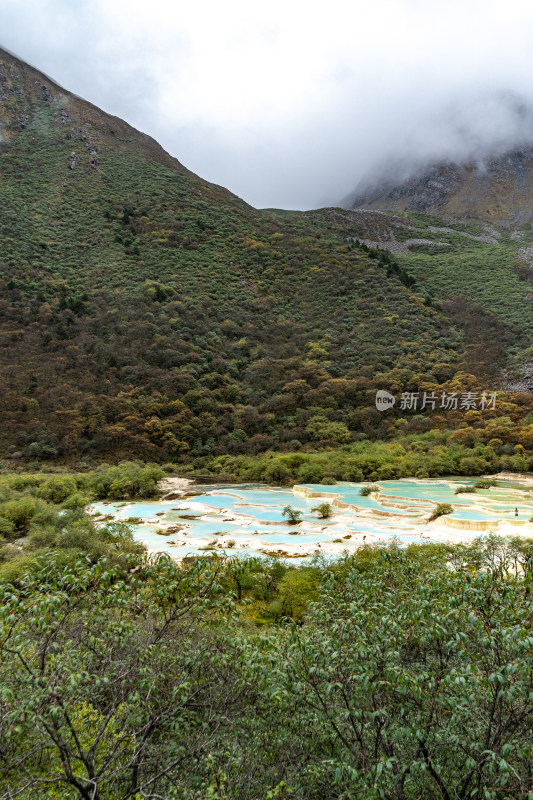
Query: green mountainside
148, 313
481, 275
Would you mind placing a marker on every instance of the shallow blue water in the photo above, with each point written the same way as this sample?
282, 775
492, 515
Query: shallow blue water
438, 491
424, 493
146, 534
283, 538
384, 530
143, 510
464, 514
255, 497
350, 494
264, 505
183, 552
494, 517
208, 528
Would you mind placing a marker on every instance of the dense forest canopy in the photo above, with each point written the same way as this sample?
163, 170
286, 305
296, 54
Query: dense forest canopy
387, 674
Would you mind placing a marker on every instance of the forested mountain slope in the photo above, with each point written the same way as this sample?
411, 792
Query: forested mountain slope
480, 274
147, 312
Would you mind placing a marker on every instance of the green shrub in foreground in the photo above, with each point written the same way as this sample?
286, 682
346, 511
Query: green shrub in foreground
409, 675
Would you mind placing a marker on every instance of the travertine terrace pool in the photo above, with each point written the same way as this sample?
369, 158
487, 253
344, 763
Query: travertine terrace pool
248, 519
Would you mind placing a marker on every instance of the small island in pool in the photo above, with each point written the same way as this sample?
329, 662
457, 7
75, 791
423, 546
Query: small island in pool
249, 519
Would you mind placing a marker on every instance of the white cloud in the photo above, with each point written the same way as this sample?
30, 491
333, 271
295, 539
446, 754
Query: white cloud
290, 103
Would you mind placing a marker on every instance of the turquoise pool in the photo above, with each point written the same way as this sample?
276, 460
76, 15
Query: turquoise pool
399, 511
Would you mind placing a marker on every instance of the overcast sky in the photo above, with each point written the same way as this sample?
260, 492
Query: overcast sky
291, 104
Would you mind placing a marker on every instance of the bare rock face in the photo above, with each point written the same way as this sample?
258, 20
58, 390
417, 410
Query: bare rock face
525, 382
497, 189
